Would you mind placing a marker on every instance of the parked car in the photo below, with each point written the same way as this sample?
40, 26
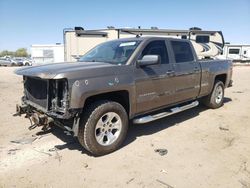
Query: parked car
22, 61
139, 79
27, 61
8, 62
19, 61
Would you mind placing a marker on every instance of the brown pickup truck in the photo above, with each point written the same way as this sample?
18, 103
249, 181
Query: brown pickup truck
139, 79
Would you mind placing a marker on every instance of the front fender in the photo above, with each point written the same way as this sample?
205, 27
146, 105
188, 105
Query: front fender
82, 89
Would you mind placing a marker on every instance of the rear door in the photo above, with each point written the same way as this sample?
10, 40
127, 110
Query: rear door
153, 83
187, 71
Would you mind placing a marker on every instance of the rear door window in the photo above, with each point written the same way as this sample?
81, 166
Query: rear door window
182, 51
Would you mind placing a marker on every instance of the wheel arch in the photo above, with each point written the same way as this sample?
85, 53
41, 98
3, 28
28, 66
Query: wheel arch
221, 77
120, 96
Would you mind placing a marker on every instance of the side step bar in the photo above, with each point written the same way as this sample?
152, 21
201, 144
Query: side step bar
149, 118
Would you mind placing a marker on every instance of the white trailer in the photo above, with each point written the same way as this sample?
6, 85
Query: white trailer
77, 41
236, 52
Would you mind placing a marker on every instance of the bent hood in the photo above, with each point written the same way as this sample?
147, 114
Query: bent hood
68, 70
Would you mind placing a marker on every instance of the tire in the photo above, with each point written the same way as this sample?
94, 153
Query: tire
103, 127
216, 97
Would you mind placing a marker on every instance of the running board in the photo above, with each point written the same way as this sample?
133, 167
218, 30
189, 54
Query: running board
149, 118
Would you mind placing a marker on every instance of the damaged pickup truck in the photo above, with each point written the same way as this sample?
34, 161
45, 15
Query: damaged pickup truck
139, 79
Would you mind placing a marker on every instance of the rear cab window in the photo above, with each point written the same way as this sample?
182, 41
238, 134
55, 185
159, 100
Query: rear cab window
182, 51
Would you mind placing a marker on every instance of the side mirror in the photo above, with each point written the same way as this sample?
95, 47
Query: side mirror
149, 60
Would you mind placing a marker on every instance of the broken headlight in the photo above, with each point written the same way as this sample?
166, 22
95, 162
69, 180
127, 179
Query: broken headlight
59, 95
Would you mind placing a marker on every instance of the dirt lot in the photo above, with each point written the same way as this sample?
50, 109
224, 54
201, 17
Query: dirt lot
206, 148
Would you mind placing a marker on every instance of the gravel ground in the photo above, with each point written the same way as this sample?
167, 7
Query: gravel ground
206, 148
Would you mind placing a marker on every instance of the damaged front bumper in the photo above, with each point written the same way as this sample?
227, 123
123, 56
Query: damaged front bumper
45, 120
36, 118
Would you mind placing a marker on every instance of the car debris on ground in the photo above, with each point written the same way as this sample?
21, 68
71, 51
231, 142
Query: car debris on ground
223, 129
24, 140
163, 183
161, 151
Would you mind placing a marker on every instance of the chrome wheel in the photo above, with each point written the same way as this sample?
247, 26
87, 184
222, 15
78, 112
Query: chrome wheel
108, 128
218, 94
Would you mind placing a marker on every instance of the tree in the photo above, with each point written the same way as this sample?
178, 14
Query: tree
21, 52
6, 53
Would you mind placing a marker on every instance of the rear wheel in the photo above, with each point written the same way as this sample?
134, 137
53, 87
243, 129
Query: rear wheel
216, 97
103, 127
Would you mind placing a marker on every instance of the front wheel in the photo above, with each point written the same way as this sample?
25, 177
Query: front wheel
103, 127
216, 97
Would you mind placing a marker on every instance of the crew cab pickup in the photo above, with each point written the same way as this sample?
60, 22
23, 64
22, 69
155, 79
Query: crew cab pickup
140, 79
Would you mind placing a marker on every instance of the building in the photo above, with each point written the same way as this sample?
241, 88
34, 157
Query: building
50, 53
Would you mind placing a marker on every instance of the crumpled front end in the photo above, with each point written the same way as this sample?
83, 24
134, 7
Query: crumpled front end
45, 101
48, 96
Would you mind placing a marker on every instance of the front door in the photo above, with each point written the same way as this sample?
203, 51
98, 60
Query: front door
153, 82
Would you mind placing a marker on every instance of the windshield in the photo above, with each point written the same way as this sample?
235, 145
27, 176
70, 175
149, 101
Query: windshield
116, 52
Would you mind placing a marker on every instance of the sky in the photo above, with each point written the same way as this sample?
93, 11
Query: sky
27, 22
